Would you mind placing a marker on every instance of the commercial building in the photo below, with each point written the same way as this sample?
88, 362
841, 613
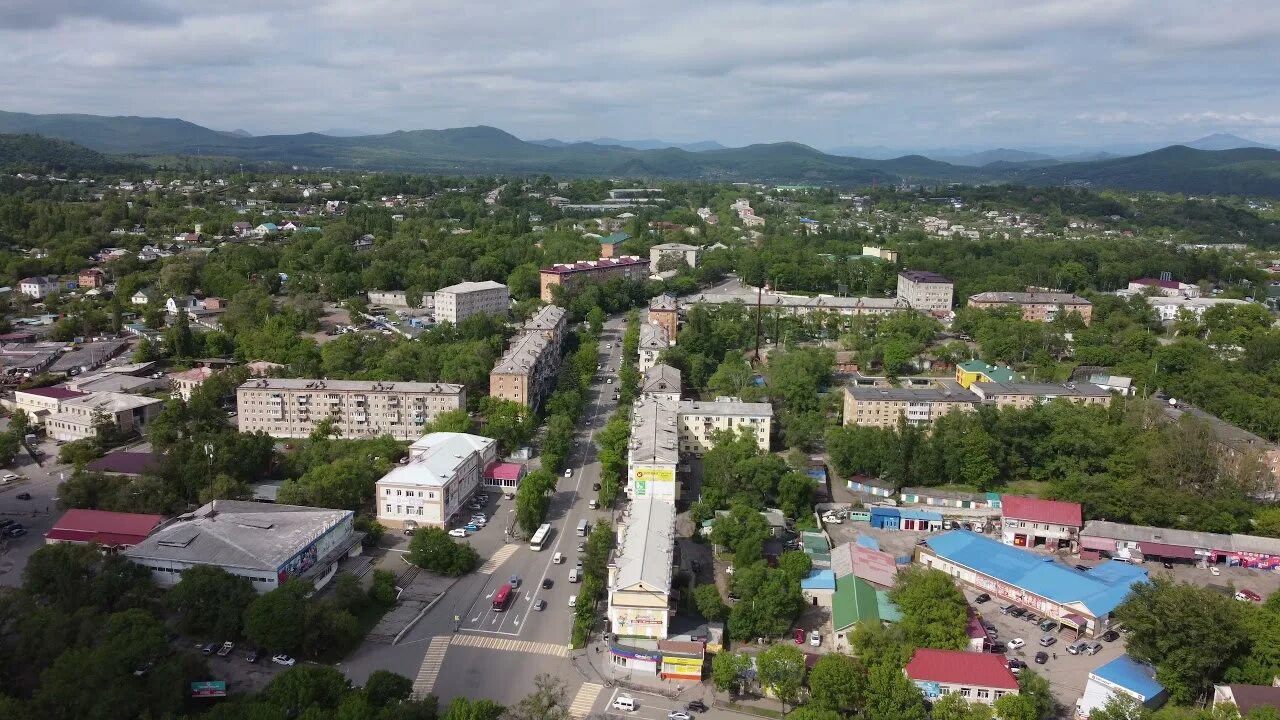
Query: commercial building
976, 677
443, 471
266, 543
184, 382
459, 302
1036, 306
1025, 395
654, 340
664, 311
687, 253
112, 530
104, 381
1100, 538
661, 382
1170, 308
39, 403
1080, 600
571, 276
653, 450
925, 291
77, 417
883, 406
972, 371
289, 407
1123, 676
701, 420
640, 599
1035, 523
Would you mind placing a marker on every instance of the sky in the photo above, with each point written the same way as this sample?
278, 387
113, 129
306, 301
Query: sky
902, 73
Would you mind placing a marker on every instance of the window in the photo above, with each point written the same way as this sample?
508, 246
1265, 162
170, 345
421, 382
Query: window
966, 692
388, 508
1000, 694
398, 493
983, 694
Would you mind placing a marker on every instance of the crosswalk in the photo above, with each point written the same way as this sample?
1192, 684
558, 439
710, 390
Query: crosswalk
584, 700
497, 559
426, 680
492, 642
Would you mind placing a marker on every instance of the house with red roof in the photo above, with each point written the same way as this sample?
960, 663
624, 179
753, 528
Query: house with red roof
977, 677
39, 403
113, 530
1167, 288
1032, 522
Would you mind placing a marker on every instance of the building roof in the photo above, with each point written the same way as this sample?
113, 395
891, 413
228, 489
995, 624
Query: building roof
198, 375
1057, 512
586, 265
735, 408
472, 286
434, 458
241, 534
1097, 592
654, 432
1046, 390
854, 601
943, 391
110, 402
548, 317
819, 580
504, 471
523, 354
1131, 675
661, 378
1166, 284
1182, 538
1031, 298
958, 667
995, 372
1248, 697
673, 247
648, 544
112, 382
353, 386
126, 463
654, 337
776, 300
663, 302
56, 392
103, 527
615, 238
872, 565
924, 276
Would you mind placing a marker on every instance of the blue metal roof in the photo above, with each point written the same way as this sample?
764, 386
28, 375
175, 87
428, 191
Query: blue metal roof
1132, 676
819, 580
911, 514
1099, 592
867, 541
884, 511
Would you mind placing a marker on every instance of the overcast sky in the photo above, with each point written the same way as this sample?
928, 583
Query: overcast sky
904, 73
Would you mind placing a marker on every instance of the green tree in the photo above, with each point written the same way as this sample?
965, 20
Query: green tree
710, 605
954, 707
452, 421
838, 682
384, 688
1016, 707
533, 500
1035, 687
463, 709
934, 611
211, 601
595, 320
383, 589
548, 701
1120, 707
277, 619
727, 669
348, 594
795, 494
432, 549
891, 695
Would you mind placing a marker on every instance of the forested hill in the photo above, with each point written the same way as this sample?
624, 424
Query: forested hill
32, 153
489, 150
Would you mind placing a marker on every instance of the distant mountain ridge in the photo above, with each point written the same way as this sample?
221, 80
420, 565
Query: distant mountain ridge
701, 146
489, 150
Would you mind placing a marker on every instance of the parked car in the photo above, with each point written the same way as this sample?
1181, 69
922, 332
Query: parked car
815, 638
568, 472
475, 506
696, 706
6, 523
23, 496
998, 648
1016, 665
546, 583
458, 532
1167, 565
1017, 643
1017, 612
1032, 618
16, 531
573, 601
471, 526
1048, 640
283, 659
1048, 625
798, 635
677, 715
582, 547
1008, 609
1042, 657
226, 648
209, 649
1076, 647
1248, 596
253, 656
1214, 571
540, 605
1111, 636
9, 477
982, 598
1094, 649
595, 486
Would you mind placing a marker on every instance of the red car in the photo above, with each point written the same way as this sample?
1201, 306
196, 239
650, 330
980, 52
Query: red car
1248, 595
799, 636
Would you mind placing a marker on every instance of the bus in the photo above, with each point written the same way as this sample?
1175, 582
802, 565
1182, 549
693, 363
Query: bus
539, 538
501, 598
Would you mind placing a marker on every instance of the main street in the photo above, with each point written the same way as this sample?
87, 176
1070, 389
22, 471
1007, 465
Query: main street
462, 646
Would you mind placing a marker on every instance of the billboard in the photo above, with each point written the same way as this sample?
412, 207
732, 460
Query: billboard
655, 474
209, 688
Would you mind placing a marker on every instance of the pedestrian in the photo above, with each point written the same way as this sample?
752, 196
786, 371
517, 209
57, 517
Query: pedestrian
1055, 656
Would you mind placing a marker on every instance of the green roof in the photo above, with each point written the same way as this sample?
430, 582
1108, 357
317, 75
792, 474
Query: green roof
814, 542
888, 611
997, 374
854, 601
615, 238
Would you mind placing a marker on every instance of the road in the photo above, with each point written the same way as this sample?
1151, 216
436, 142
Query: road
37, 515
495, 655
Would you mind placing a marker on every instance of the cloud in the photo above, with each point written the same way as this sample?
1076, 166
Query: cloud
915, 73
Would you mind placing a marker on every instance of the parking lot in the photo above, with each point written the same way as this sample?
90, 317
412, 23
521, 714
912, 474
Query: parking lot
36, 514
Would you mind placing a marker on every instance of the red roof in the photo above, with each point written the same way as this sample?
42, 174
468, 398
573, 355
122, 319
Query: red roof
1170, 284
55, 392
581, 265
504, 471
103, 527
1045, 511
957, 667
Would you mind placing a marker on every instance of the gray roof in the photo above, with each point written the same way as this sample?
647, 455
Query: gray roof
1031, 298
258, 536
672, 247
352, 386
547, 318
647, 547
654, 432
1231, 435
989, 389
802, 301
662, 302
654, 337
522, 355
435, 458
661, 378
111, 402
472, 286
945, 391
1184, 538
924, 276
736, 408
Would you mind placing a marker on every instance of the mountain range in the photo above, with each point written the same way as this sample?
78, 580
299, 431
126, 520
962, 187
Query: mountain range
486, 150
649, 144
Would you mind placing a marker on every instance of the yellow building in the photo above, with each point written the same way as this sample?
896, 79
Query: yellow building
972, 371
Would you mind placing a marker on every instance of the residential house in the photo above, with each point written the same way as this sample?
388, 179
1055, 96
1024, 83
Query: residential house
182, 383
978, 677
181, 303
38, 286
91, 278
1036, 306
972, 371
1244, 698
266, 229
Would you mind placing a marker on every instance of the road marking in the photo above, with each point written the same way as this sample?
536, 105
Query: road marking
431, 663
498, 558
584, 700
508, 645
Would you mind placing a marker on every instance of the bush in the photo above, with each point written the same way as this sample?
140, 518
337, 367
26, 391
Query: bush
383, 590
432, 549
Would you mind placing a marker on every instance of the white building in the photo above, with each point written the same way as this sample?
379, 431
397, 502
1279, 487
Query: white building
700, 421
1168, 308
182, 383
688, 253
925, 291
76, 417
388, 298
458, 302
1167, 288
264, 542
292, 407
38, 287
443, 470
653, 341
640, 574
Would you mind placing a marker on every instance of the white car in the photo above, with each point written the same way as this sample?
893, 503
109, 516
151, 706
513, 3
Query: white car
831, 520
557, 558
1215, 571
283, 659
568, 472
1016, 643
815, 638
8, 478
573, 601
458, 532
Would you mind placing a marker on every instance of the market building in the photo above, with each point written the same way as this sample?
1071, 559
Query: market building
1136, 543
113, 531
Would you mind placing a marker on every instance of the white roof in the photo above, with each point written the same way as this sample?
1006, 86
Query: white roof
648, 543
110, 402
469, 286
434, 459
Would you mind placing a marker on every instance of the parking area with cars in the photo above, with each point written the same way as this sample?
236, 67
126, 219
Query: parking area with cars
28, 507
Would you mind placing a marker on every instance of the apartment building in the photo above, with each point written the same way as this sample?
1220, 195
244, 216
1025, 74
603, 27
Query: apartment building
549, 322
443, 471
1036, 306
883, 406
292, 407
653, 451
640, 577
687, 253
653, 341
665, 311
804, 304
574, 275
183, 383
1025, 395
925, 291
526, 372
699, 421
76, 417
661, 381
1169, 308
1167, 288
459, 302
38, 287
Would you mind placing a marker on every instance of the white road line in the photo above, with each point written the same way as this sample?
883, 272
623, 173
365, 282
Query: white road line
509, 645
497, 559
584, 700
430, 669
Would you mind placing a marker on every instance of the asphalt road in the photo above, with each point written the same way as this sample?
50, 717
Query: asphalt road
37, 515
464, 647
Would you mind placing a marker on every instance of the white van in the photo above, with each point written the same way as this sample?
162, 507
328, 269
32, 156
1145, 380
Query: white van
573, 575
622, 702
557, 558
